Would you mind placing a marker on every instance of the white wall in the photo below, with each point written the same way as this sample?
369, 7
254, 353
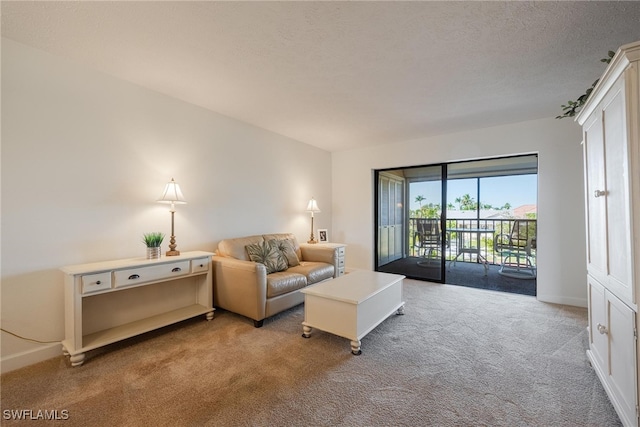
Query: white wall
85, 156
561, 231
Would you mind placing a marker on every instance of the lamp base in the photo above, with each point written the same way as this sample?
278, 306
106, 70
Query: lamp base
172, 243
312, 241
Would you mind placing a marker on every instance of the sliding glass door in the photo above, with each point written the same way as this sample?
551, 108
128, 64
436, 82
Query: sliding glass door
471, 221
426, 221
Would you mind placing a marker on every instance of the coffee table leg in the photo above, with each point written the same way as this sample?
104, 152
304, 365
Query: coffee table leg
355, 348
306, 331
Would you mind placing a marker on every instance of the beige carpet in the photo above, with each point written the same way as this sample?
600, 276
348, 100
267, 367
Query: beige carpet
458, 357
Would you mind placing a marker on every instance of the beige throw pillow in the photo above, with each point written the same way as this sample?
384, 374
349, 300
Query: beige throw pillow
288, 251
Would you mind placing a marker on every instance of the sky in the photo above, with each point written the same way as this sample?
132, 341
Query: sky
517, 190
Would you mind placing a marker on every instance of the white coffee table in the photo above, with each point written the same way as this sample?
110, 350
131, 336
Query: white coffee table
352, 305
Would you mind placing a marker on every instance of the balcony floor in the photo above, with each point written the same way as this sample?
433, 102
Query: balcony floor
468, 274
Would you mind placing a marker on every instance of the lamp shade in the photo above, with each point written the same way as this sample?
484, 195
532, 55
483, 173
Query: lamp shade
172, 194
312, 206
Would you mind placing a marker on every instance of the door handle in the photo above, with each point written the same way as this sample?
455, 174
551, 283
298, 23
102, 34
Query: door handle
599, 193
602, 329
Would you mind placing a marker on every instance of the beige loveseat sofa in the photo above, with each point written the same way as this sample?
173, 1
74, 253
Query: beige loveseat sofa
271, 282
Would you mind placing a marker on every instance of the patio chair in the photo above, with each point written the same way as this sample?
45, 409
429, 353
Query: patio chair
515, 249
427, 240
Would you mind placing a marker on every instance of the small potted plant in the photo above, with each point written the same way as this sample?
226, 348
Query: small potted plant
153, 242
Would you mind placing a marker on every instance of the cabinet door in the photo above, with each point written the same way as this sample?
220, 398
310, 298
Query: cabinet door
598, 341
622, 358
595, 205
608, 207
617, 194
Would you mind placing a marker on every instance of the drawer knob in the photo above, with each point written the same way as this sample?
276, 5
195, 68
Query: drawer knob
175, 270
98, 282
599, 193
602, 329
134, 277
201, 265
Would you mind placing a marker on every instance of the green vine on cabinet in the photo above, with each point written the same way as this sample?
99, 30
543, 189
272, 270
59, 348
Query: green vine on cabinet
573, 107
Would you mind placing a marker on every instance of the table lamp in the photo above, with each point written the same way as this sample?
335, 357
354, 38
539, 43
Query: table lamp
173, 195
312, 207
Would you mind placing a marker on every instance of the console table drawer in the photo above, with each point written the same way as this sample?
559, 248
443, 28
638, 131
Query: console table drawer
200, 265
96, 282
139, 275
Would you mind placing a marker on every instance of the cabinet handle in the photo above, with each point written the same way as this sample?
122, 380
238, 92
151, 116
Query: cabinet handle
175, 270
134, 277
602, 329
599, 193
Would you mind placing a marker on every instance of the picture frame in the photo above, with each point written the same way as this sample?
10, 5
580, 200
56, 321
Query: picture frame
323, 235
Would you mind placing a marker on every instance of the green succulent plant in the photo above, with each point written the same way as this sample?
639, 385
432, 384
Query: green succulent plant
573, 107
153, 240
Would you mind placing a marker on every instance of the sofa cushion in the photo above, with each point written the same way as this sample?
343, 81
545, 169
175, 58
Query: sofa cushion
314, 271
236, 248
267, 253
284, 282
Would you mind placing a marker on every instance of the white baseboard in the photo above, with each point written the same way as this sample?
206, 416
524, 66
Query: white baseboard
29, 357
555, 299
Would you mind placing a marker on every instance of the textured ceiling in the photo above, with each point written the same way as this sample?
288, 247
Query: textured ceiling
342, 75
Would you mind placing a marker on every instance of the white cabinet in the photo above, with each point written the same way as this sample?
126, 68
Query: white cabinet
109, 301
611, 132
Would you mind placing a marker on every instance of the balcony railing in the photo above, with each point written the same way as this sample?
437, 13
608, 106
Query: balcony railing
486, 243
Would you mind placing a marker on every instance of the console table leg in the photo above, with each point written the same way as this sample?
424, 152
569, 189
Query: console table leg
306, 331
355, 348
77, 359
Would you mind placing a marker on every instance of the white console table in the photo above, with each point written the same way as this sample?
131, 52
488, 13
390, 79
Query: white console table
109, 301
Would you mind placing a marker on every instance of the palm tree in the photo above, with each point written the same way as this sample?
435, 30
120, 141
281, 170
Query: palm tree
419, 200
467, 202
